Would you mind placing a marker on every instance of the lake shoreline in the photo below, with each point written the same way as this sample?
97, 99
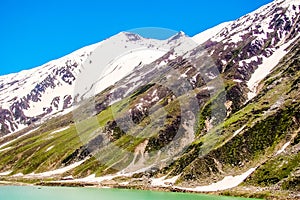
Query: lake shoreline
240, 191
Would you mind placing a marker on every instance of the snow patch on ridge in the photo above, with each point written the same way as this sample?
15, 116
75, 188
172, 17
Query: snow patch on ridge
163, 182
5, 173
239, 130
57, 171
121, 67
265, 68
227, 183
60, 130
49, 148
207, 34
283, 148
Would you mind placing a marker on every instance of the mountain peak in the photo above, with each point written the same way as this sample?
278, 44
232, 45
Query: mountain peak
130, 36
177, 36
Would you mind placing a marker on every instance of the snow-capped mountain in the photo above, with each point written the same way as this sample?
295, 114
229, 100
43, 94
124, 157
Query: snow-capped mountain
48, 90
195, 114
252, 46
261, 37
29, 94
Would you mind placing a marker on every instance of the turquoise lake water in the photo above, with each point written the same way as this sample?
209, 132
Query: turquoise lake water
67, 193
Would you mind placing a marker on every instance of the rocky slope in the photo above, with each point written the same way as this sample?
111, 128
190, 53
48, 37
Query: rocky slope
207, 118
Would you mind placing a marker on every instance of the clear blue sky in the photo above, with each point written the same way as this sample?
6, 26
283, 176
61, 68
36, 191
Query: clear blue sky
33, 32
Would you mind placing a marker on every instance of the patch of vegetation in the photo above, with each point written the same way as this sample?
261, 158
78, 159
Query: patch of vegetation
177, 166
214, 108
241, 149
292, 183
275, 170
142, 90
